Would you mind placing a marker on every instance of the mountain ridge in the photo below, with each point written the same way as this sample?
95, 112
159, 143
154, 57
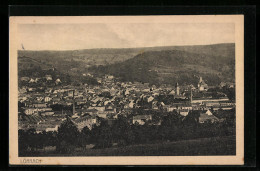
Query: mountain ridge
160, 64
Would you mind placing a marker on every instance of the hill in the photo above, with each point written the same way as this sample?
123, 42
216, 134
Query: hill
171, 66
149, 64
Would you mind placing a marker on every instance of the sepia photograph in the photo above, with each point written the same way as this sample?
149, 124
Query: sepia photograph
126, 90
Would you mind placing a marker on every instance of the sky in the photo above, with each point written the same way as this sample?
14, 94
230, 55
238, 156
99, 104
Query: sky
124, 35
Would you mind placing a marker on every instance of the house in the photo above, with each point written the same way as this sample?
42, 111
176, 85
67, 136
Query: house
102, 115
58, 81
36, 80
39, 105
31, 80
55, 100
31, 89
98, 108
22, 90
150, 99
47, 99
155, 105
30, 111
141, 119
79, 101
84, 121
90, 146
48, 77
202, 85
25, 79
222, 84
126, 92
110, 77
110, 111
169, 108
172, 92
131, 104
91, 111
184, 112
207, 116
47, 113
185, 106
210, 104
52, 128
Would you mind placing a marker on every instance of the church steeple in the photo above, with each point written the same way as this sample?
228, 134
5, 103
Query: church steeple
177, 89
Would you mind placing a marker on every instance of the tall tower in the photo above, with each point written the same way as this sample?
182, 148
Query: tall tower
177, 89
190, 94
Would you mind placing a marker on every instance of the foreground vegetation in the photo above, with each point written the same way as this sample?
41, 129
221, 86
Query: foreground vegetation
125, 136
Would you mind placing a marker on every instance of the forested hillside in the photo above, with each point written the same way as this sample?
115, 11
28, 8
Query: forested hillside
169, 64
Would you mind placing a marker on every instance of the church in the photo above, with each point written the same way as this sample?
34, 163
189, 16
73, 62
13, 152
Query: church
202, 85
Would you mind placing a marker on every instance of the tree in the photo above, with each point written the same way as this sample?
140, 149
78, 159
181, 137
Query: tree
102, 135
85, 136
68, 135
22, 141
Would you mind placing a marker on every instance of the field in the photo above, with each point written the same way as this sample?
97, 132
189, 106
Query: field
197, 147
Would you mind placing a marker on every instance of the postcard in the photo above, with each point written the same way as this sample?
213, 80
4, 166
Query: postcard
126, 90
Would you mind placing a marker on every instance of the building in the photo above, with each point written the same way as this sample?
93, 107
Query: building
30, 111
39, 105
169, 108
84, 121
25, 79
48, 77
31, 80
202, 85
47, 99
205, 100
141, 119
47, 113
184, 112
58, 81
53, 128
207, 116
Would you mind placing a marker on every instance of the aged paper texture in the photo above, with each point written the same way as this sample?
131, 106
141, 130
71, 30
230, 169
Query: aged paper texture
126, 90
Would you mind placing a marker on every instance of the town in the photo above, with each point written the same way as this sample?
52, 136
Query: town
45, 108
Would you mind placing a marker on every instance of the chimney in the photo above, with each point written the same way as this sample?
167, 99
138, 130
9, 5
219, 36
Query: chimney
190, 94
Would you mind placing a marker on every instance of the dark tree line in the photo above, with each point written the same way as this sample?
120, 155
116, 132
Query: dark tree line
173, 128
